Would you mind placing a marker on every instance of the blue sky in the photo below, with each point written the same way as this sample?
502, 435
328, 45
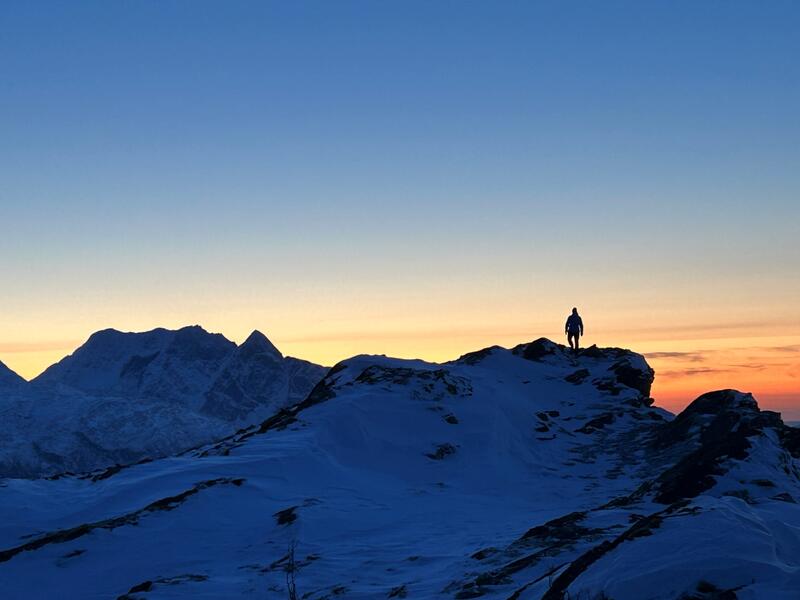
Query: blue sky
180, 114
292, 166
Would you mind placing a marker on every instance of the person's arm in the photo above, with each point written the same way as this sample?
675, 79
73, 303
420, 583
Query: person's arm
566, 326
580, 322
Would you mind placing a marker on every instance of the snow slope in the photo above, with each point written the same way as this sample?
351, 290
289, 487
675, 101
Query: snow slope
524, 473
122, 397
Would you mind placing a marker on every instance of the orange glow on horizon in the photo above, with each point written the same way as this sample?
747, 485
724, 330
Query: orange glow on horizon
718, 357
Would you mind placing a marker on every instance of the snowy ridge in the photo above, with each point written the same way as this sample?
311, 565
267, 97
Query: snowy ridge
524, 473
122, 397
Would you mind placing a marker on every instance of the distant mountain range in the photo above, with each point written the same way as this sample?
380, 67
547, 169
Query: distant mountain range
526, 474
122, 397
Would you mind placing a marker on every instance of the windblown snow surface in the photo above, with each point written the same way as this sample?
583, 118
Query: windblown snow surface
524, 473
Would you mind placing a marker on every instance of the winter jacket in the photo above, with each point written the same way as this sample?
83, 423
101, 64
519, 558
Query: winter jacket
574, 324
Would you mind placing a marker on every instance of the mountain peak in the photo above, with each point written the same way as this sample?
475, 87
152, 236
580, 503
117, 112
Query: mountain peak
258, 343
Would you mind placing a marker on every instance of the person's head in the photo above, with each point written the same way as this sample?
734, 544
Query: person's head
574, 311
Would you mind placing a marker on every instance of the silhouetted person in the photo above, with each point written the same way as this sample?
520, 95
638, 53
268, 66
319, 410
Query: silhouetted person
574, 329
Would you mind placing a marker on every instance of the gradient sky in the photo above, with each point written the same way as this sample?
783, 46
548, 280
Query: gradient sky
411, 178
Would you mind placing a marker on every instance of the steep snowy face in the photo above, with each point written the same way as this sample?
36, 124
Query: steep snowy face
186, 367
122, 397
257, 344
253, 377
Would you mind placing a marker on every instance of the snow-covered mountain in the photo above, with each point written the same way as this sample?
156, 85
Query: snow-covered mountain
176, 366
123, 397
514, 474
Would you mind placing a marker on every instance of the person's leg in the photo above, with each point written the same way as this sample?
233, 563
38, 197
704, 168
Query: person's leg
577, 341
570, 337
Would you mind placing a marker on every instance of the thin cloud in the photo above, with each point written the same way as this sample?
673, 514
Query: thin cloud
793, 349
684, 356
696, 329
694, 372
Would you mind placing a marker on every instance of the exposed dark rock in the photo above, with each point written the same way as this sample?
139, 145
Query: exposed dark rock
147, 586
286, 516
451, 419
323, 391
603, 353
95, 476
561, 529
597, 423
134, 369
790, 439
442, 451
433, 380
702, 414
720, 423
784, 497
642, 527
283, 563
484, 553
473, 358
634, 377
538, 349
633, 497
592, 352
626, 370
546, 575
470, 591
549, 539
607, 385
398, 592
577, 377
708, 591
763, 483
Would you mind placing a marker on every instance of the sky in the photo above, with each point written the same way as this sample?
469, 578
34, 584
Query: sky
417, 179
